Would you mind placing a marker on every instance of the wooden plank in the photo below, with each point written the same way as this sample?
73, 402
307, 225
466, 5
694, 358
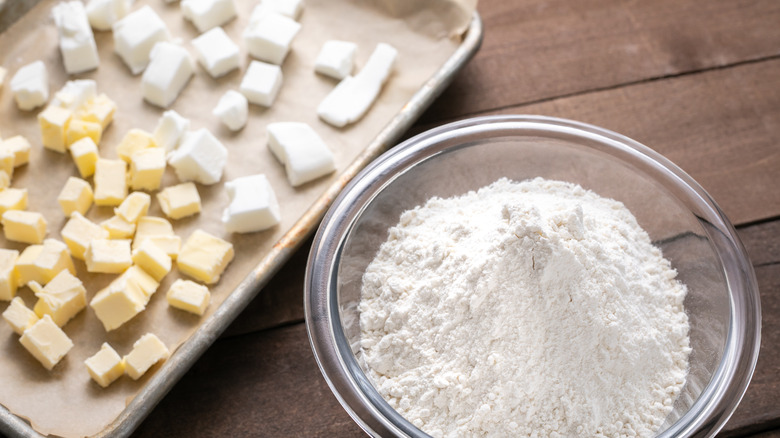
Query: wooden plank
535, 50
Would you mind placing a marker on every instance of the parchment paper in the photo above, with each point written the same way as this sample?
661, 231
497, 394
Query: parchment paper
66, 401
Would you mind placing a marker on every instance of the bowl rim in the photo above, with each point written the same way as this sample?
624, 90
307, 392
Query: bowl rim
351, 386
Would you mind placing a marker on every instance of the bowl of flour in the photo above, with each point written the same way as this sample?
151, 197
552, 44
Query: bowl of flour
531, 276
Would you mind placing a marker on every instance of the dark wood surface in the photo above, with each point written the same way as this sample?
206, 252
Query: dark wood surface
698, 81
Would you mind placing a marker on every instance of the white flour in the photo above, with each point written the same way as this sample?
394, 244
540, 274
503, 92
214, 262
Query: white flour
524, 309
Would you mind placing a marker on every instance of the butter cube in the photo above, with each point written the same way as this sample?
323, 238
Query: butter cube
23, 226
136, 34
102, 14
108, 256
105, 366
7, 164
201, 157
305, 156
19, 316
75, 94
253, 205
288, 8
147, 351
76, 196
170, 244
110, 182
188, 295
100, 109
147, 167
205, 14
168, 72
141, 280
134, 207
118, 228
117, 303
26, 270
180, 200
78, 129
20, 148
204, 257
134, 141
13, 199
8, 277
78, 232
46, 342
152, 226
41, 263
5, 181
170, 130
53, 122
232, 109
30, 86
336, 59
62, 298
261, 83
152, 259
77, 43
85, 155
216, 52
269, 38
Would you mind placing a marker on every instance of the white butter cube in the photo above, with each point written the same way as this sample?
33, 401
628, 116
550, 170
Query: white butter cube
19, 316
46, 342
110, 182
108, 256
77, 44
62, 298
189, 296
354, 95
105, 366
9, 279
75, 94
75, 196
217, 53
134, 207
30, 86
78, 232
336, 59
168, 72
205, 14
147, 351
261, 83
170, 129
270, 37
200, 158
204, 257
289, 8
253, 205
233, 110
136, 34
305, 156
179, 201
147, 167
102, 14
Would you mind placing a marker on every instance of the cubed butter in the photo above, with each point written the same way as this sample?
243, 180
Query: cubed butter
77, 43
30, 86
189, 296
134, 207
147, 167
13, 199
53, 122
152, 226
179, 201
9, 279
100, 109
7, 163
75, 94
102, 14
105, 366
19, 316
123, 298
110, 182
78, 129
253, 205
152, 259
170, 244
170, 130
269, 38
20, 147
205, 14
336, 59
168, 72
78, 232
62, 298
147, 351
305, 156
46, 342
108, 256
141, 280
200, 158
288, 8
232, 109
204, 257
136, 34
134, 141
5, 181
75, 196
216, 52
41, 263
25, 265
261, 83
85, 155
23, 226
118, 228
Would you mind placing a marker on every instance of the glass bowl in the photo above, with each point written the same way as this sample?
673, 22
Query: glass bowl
722, 302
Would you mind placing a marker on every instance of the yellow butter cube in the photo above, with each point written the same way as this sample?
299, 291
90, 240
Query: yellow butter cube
105, 366
100, 110
110, 182
78, 232
20, 148
170, 244
108, 256
23, 226
189, 296
13, 199
152, 259
138, 278
7, 164
85, 155
44, 263
62, 298
118, 228
147, 351
78, 129
179, 201
134, 207
134, 141
153, 226
46, 342
146, 169
5, 181
19, 316
204, 257
8, 277
76, 196
54, 122
123, 298
25, 265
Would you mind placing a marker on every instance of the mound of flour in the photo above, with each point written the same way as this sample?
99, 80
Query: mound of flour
534, 309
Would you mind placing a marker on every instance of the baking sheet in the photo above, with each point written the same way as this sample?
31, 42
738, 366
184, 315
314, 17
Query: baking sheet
65, 401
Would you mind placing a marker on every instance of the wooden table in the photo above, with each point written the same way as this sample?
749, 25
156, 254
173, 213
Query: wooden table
698, 81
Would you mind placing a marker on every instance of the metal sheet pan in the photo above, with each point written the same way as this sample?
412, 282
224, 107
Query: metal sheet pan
186, 355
